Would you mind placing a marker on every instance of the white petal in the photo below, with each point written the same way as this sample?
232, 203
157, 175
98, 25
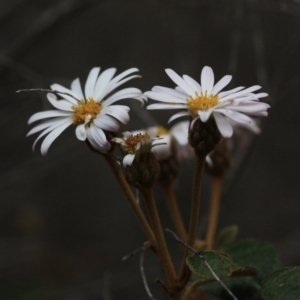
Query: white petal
173, 92
106, 122
48, 114
94, 144
204, 115
90, 83
123, 75
250, 108
166, 106
180, 131
225, 93
179, 89
59, 104
234, 115
117, 111
110, 87
53, 135
102, 81
241, 93
81, 132
123, 94
162, 147
221, 84
261, 95
114, 83
46, 124
192, 83
57, 123
223, 125
165, 97
178, 115
60, 88
128, 160
207, 80
76, 89
98, 135
180, 82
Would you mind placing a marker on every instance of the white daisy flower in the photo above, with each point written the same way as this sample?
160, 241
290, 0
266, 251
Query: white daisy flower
134, 144
91, 112
200, 101
179, 132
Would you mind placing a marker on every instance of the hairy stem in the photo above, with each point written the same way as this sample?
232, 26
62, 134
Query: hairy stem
194, 216
131, 198
214, 211
163, 252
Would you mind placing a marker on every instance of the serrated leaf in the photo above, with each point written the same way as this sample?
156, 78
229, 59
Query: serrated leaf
283, 284
226, 235
253, 253
218, 261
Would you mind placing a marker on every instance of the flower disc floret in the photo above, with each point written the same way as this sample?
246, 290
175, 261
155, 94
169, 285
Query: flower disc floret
84, 109
133, 142
201, 102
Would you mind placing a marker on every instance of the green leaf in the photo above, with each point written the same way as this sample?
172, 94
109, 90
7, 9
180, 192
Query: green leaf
244, 288
253, 253
218, 261
226, 235
283, 284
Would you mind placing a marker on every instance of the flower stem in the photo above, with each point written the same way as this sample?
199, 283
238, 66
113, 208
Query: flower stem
214, 211
175, 211
194, 216
163, 252
131, 198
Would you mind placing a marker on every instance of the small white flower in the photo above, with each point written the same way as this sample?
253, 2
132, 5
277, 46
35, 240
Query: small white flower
91, 111
200, 101
163, 149
134, 144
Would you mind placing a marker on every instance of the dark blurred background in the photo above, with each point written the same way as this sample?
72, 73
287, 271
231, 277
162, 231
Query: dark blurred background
65, 225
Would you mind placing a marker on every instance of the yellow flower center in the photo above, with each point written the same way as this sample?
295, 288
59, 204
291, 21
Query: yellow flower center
85, 108
133, 140
201, 102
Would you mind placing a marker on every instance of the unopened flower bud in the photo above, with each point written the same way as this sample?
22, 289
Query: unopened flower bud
204, 137
141, 167
144, 170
